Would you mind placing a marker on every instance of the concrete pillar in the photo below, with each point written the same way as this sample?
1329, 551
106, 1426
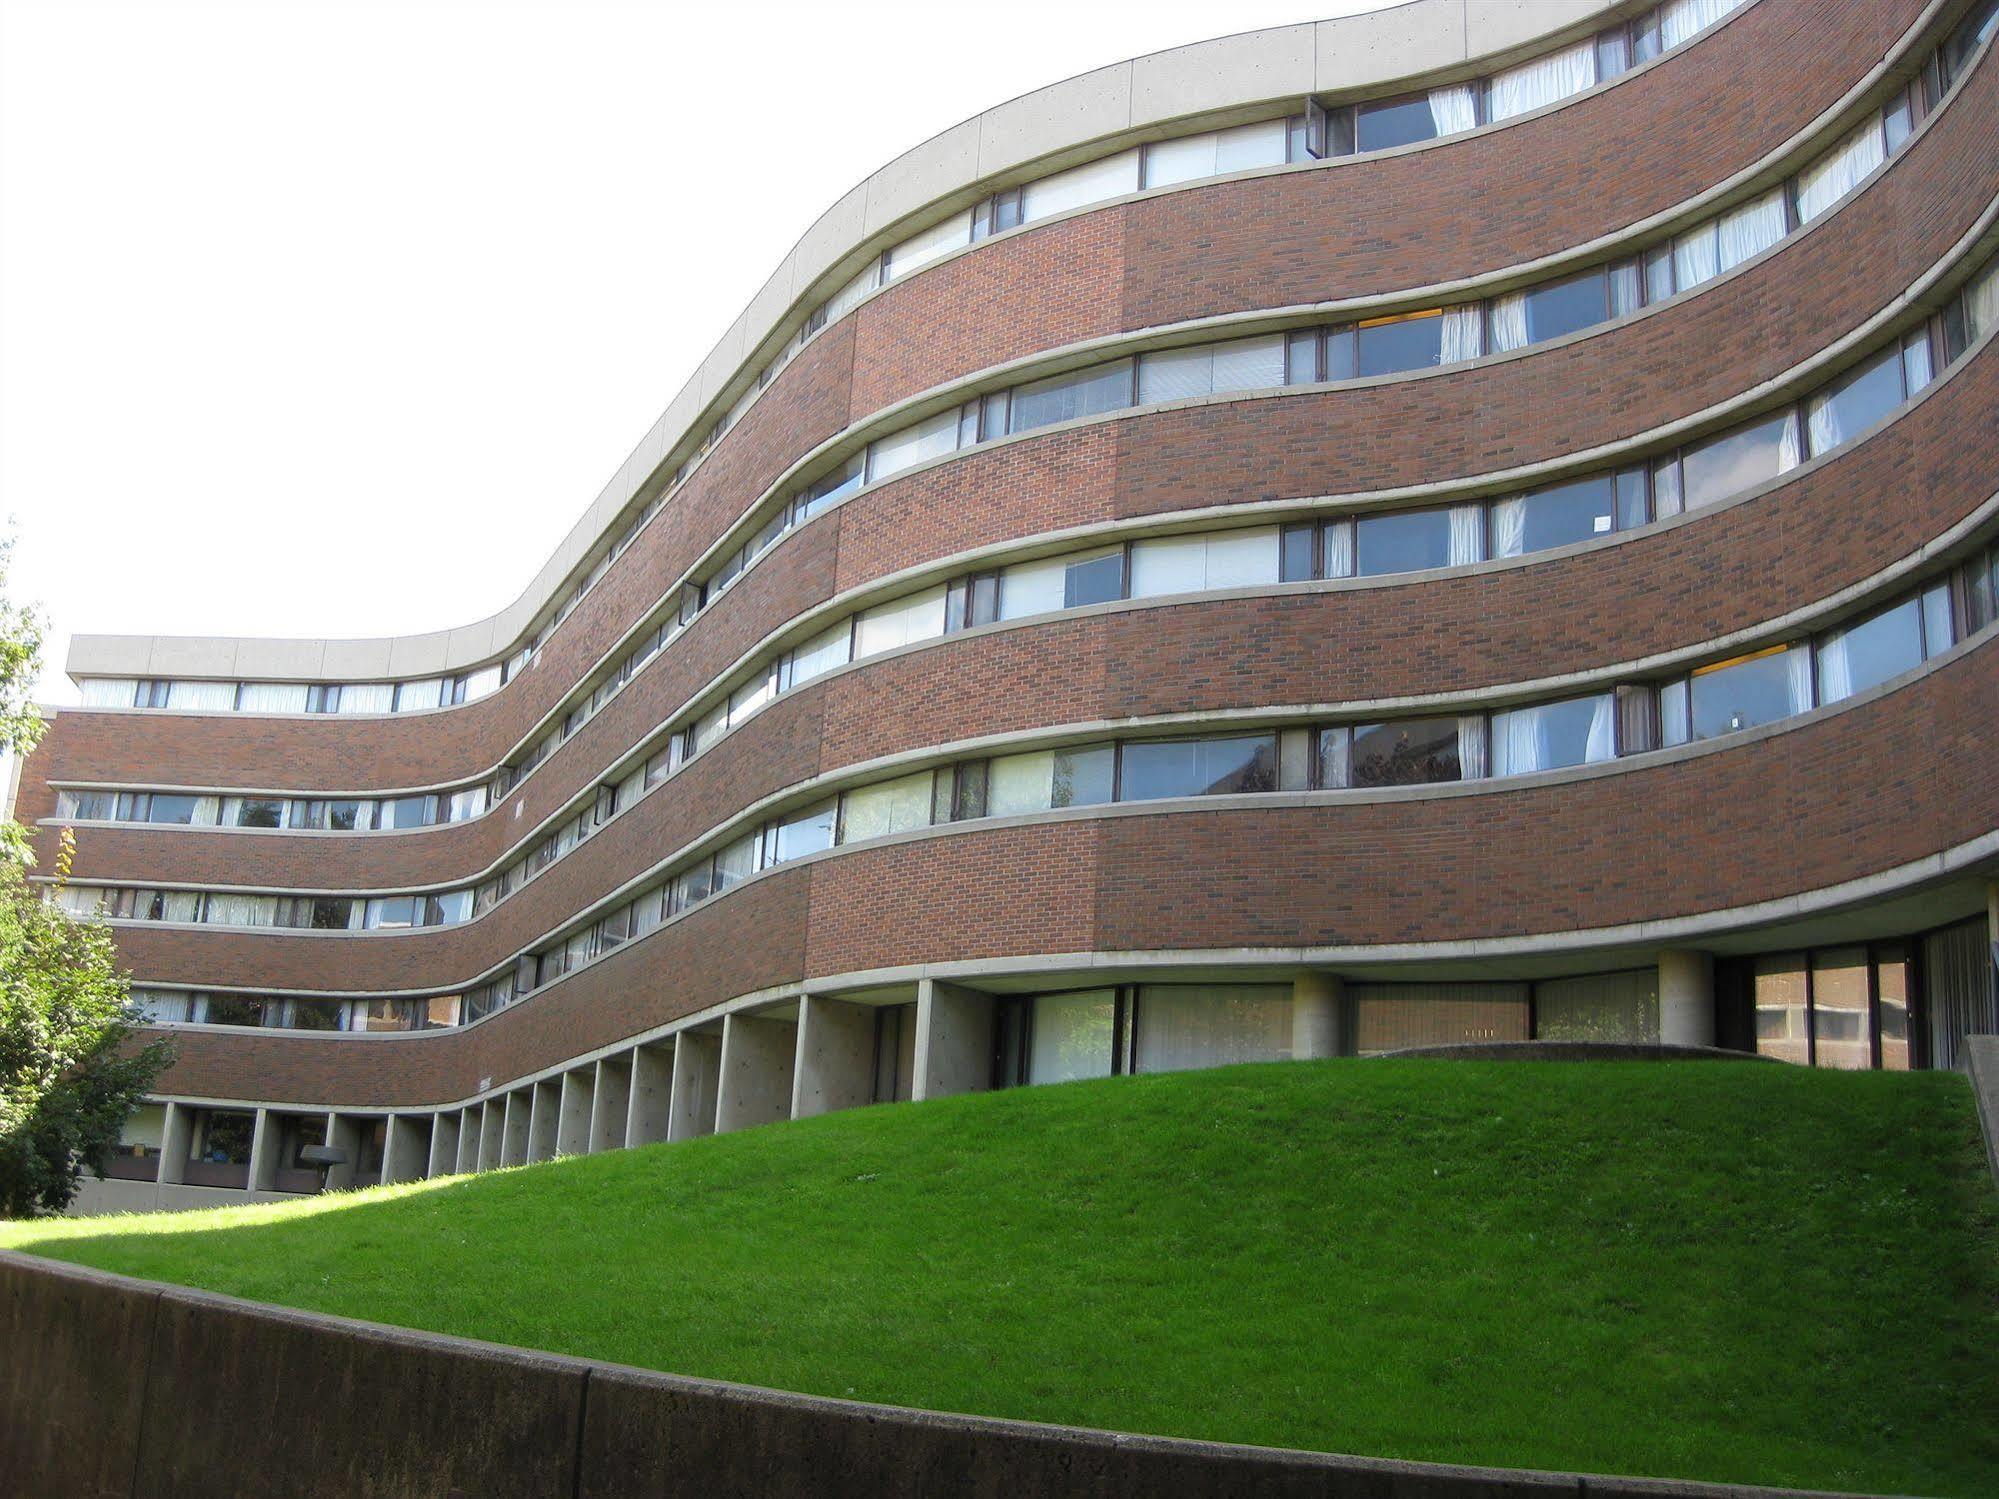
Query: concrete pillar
343, 1133
954, 1040
176, 1139
575, 1096
1686, 998
1316, 1030
444, 1144
514, 1144
610, 1103
757, 1057
652, 1095
264, 1153
835, 1068
697, 1072
405, 1149
544, 1119
492, 1135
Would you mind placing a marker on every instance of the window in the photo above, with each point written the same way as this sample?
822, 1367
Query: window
1563, 513
447, 909
1090, 183
1093, 580
1860, 398
1419, 117
803, 833
406, 812
87, 806
1402, 541
1552, 735
1829, 179
887, 627
1562, 307
1405, 752
877, 811
165, 808
1070, 1036
1040, 780
1540, 82
736, 863
1411, 341
1208, 369
921, 249
815, 658
1150, 769
1193, 564
902, 450
1860, 656
254, 812
390, 912
1063, 398
1215, 153
1738, 461
1184, 1025
1738, 694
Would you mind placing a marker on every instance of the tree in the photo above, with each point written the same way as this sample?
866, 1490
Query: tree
69, 1073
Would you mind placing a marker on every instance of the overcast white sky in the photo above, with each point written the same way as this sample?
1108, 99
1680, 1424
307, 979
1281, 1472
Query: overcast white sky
330, 318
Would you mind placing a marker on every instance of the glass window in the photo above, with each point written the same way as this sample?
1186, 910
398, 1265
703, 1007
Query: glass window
1402, 541
346, 816
898, 806
1555, 516
1198, 767
1737, 461
1405, 752
819, 655
1856, 402
1891, 995
1063, 398
1414, 341
1549, 736
1841, 1034
1561, 307
926, 440
1598, 1007
392, 911
1738, 694
887, 627
1858, 657
1071, 1036
1093, 580
843, 481
1211, 1025
1042, 779
1033, 588
331, 914
1394, 122
736, 863
804, 833
251, 812
180, 809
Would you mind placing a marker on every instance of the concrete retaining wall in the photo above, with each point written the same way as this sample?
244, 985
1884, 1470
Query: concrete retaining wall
114, 1386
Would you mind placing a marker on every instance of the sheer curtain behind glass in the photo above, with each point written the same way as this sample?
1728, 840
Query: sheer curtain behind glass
1453, 109
1542, 81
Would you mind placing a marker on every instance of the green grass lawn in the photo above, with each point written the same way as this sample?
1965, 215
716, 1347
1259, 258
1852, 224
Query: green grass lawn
1753, 1273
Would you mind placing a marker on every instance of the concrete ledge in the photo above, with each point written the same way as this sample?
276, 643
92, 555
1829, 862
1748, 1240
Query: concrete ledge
1576, 1051
1981, 1065
138, 1388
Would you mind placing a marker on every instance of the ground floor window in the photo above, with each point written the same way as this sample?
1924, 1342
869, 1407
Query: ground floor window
1847, 1007
1599, 1007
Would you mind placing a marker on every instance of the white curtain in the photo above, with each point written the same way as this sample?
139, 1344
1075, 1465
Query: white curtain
1453, 109
1824, 423
272, 697
206, 697
1681, 19
1186, 1025
1462, 334
921, 249
1183, 160
1519, 741
1509, 322
229, 910
1602, 731
109, 692
182, 905
1750, 229
1249, 363
1667, 497
1335, 756
1835, 668
1339, 549
1542, 81
1090, 183
1981, 301
1176, 374
367, 697
207, 811
1798, 677
1695, 258
1675, 713
849, 296
1471, 747
1467, 534
1264, 144
1020, 783
1916, 368
1789, 455
1509, 527
1836, 174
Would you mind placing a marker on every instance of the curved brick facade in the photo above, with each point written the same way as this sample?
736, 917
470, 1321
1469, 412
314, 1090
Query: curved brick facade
1535, 894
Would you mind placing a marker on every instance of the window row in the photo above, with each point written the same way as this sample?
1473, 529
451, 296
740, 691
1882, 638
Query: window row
1316, 133
1400, 751
316, 913
180, 1006
298, 814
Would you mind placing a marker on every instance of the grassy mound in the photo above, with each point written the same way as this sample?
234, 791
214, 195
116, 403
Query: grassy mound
1752, 1273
